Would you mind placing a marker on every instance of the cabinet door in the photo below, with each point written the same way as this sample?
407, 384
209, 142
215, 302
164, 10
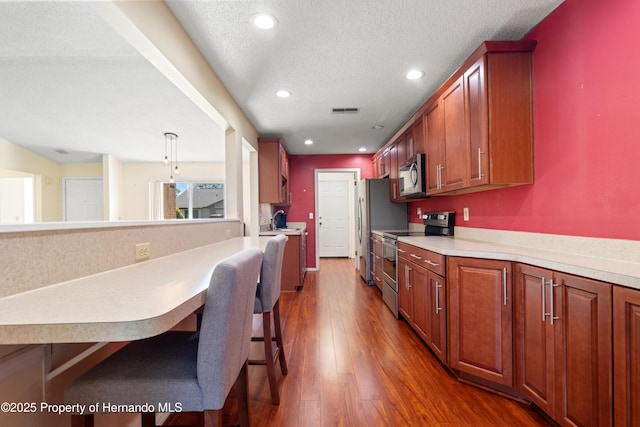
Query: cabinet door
291, 264
480, 319
405, 294
626, 342
393, 173
377, 263
437, 316
303, 257
420, 289
476, 103
455, 137
434, 147
582, 326
534, 345
418, 137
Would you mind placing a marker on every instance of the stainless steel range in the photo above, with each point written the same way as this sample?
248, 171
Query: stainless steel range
435, 224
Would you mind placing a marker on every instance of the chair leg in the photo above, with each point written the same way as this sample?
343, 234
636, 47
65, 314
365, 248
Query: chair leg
278, 330
82, 420
242, 391
148, 419
268, 355
213, 418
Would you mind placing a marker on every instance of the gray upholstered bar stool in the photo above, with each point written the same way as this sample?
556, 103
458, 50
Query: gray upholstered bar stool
268, 303
193, 370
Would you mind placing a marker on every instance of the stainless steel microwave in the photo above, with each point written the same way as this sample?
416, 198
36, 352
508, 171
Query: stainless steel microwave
411, 177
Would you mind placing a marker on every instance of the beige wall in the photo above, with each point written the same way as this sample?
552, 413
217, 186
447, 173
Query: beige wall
47, 175
138, 176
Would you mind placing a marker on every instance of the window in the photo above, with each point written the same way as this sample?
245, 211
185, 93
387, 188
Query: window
193, 200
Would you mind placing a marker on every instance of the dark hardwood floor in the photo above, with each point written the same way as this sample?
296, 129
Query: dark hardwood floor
351, 363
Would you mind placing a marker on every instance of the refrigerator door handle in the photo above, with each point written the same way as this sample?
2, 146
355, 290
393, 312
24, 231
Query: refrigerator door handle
360, 221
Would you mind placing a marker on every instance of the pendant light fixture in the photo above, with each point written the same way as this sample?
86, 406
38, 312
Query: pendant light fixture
171, 141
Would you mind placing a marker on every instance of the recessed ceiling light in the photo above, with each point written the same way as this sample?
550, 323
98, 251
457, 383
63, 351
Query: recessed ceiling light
264, 21
308, 142
361, 149
283, 93
415, 74
377, 127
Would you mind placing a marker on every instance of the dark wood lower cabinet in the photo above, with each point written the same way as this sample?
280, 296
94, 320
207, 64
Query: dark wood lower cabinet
626, 370
564, 345
422, 296
481, 319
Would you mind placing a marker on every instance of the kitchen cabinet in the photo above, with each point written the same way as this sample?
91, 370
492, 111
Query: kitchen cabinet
410, 143
626, 343
479, 123
273, 171
376, 259
394, 187
480, 307
384, 164
294, 263
563, 348
421, 295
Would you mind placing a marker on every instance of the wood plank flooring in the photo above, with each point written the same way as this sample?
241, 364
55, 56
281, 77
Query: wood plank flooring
351, 363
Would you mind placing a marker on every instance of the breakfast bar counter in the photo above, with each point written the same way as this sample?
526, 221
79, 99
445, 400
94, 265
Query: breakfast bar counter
128, 303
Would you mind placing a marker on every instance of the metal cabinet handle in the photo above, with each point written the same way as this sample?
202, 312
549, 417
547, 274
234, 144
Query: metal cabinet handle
504, 285
401, 250
480, 174
416, 256
438, 308
431, 263
406, 276
544, 298
551, 312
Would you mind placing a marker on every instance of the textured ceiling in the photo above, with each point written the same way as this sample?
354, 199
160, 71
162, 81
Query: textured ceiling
344, 54
68, 81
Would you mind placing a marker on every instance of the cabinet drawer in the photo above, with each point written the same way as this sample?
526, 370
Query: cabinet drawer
427, 259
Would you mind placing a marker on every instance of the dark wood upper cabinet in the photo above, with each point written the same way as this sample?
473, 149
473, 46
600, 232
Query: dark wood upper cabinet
273, 172
477, 128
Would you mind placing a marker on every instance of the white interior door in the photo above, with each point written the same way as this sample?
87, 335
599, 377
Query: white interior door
83, 199
333, 218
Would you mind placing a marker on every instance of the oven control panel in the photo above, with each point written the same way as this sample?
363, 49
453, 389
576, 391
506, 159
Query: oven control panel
439, 223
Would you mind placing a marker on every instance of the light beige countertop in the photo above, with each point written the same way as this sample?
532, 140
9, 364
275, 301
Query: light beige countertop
293, 229
614, 271
128, 303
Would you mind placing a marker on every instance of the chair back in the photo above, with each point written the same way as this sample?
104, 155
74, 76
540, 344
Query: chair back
271, 274
225, 334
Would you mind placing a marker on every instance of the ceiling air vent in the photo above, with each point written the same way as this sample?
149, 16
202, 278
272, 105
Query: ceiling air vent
345, 110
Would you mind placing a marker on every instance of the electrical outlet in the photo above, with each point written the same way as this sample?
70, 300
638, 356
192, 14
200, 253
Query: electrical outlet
228, 234
310, 215
465, 213
419, 212
143, 251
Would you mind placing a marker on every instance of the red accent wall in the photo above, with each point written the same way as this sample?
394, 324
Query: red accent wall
586, 131
302, 186
586, 136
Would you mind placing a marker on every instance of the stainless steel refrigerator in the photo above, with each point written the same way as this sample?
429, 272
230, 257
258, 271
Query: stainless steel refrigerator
376, 211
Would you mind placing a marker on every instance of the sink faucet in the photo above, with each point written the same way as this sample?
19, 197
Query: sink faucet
273, 218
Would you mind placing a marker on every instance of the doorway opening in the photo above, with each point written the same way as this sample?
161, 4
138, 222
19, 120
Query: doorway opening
336, 195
